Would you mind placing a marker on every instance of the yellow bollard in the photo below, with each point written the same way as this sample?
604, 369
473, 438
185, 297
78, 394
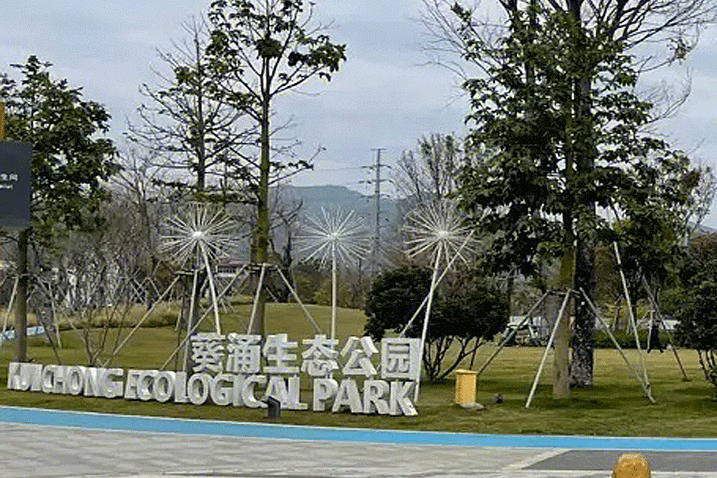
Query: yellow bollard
465, 386
632, 465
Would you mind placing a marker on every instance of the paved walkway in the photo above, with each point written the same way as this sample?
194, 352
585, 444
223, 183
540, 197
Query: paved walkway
48, 444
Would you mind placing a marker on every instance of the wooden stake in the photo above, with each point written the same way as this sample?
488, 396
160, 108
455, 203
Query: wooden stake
560, 318
645, 385
511, 334
656, 309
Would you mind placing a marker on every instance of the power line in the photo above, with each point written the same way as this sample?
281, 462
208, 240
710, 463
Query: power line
376, 249
322, 170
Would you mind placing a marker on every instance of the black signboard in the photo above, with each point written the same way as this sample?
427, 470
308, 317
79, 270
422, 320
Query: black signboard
15, 181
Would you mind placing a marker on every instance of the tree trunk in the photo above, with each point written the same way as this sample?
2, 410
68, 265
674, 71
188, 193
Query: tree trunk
199, 127
581, 367
21, 299
561, 358
262, 218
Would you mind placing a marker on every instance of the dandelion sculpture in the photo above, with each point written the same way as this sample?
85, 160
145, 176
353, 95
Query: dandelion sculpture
202, 234
337, 237
436, 230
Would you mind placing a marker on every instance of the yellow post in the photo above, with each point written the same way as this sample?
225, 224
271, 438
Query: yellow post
632, 465
465, 386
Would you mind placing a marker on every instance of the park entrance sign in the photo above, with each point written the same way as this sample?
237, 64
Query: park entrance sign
238, 370
15, 181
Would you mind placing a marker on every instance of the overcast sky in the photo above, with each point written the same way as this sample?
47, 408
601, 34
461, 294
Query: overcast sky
384, 96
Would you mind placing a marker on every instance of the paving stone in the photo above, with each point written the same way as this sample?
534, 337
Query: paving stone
34, 451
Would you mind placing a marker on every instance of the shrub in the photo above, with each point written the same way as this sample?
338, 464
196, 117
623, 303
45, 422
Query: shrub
697, 316
466, 312
624, 338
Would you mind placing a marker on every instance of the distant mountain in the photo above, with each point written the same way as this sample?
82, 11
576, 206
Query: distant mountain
331, 198
702, 229
313, 198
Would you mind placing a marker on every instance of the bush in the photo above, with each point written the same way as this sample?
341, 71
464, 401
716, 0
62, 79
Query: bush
466, 312
394, 298
624, 338
697, 316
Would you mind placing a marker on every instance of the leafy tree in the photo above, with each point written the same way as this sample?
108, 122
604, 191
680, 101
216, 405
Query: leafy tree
702, 250
308, 277
462, 28
697, 262
71, 157
466, 313
564, 133
651, 248
697, 316
70, 164
267, 48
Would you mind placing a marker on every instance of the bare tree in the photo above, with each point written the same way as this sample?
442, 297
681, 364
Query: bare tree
670, 27
186, 126
138, 187
429, 171
98, 282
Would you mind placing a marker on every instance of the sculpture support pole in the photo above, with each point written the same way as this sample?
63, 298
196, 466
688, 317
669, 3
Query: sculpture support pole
633, 321
645, 386
656, 308
190, 319
426, 317
334, 286
9, 307
440, 278
298, 301
114, 353
212, 289
512, 334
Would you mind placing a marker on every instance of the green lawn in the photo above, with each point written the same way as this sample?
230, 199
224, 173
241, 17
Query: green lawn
614, 406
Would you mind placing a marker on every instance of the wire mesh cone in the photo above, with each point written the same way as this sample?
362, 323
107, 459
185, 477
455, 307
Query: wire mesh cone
334, 234
201, 227
436, 229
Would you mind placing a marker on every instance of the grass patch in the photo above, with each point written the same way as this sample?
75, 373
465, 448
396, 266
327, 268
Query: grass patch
615, 406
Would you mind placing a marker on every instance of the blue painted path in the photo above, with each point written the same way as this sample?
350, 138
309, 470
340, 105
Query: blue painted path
99, 421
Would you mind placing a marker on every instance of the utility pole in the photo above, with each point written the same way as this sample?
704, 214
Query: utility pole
376, 247
377, 230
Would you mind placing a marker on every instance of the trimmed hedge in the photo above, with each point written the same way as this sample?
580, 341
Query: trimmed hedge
625, 339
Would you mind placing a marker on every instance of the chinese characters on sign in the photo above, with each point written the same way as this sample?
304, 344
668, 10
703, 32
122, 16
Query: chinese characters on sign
7, 180
320, 359
231, 370
15, 184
